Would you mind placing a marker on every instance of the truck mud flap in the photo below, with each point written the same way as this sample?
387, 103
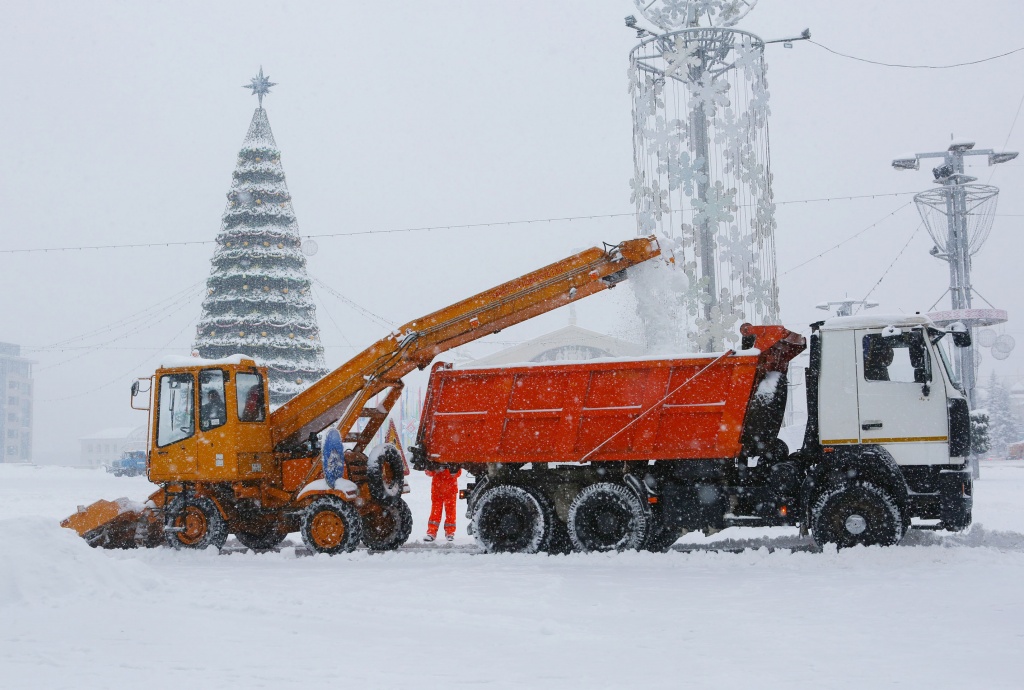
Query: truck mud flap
693, 506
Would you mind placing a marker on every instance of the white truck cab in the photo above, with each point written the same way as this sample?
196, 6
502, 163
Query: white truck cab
886, 380
886, 416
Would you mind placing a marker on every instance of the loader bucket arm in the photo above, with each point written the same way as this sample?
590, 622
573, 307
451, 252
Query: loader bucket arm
414, 345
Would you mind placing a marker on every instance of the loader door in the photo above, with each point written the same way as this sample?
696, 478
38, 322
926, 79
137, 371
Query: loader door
902, 399
174, 455
216, 459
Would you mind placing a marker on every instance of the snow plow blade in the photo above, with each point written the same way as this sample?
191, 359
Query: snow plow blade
120, 524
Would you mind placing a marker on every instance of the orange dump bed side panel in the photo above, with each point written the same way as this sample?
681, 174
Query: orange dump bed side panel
646, 409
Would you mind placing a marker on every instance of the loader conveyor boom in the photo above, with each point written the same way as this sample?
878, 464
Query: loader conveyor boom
343, 394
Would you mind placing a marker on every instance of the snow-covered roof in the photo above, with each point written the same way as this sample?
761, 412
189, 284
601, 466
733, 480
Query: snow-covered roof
842, 323
175, 361
116, 432
569, 336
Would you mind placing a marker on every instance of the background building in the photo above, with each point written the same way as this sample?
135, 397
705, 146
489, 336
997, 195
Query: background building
103, 447
15, 405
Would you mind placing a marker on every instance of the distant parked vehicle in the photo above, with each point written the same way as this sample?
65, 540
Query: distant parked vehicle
130, 464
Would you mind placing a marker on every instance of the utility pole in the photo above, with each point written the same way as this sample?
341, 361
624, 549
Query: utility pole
958, 216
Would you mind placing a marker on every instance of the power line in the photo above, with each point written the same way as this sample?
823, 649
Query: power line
848, 239
891, 64
886, 272
427, 228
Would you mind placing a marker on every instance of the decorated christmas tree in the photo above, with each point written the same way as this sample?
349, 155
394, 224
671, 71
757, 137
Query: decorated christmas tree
258, 300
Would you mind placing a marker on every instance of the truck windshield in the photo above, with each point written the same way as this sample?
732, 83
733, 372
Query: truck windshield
944, 356
175, 420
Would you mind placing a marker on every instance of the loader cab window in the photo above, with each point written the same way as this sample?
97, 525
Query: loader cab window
212, 412
175, 418
249, 395
899, 358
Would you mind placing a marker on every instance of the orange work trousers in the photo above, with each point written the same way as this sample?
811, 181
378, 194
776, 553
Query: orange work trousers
444, 492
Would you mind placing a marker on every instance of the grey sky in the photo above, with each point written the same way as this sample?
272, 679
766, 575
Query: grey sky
122, 121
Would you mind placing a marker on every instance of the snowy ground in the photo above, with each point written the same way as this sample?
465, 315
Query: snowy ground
938, 611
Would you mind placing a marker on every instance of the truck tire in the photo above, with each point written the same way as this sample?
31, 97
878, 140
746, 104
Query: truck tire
556, 534
385, 473
331, 526
263, 538
607, 517
195, 523
509, 518
389, 527
856, 513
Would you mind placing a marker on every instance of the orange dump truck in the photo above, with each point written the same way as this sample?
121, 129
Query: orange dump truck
626, 454
584, 454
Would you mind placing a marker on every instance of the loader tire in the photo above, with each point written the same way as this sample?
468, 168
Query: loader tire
607, 517
264, 538
385, 473
857, 512
509, 518
388, 528
195, 523
331, 526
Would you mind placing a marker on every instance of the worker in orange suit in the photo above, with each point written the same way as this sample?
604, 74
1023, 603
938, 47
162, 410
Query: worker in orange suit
444, 491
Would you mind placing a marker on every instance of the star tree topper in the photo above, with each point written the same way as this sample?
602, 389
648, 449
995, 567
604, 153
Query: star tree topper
260, 85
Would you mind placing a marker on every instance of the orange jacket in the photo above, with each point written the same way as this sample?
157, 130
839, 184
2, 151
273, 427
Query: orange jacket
443, 483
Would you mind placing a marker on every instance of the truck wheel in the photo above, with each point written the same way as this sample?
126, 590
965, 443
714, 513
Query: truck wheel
195, 523
330, 525
509, 518
607, 517
856, 513
385, 473
263, 538
389, 527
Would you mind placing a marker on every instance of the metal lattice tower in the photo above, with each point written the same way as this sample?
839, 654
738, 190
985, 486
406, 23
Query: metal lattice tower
959, 215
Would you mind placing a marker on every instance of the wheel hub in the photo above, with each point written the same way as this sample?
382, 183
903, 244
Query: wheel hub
327, 529
856, 524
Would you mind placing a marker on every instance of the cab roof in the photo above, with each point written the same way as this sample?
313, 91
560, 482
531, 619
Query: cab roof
844, 323
179, 362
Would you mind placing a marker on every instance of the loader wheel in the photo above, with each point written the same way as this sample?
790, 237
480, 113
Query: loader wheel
509, 518
263, 538
388, 528
330, 525
856, 513
607, 517
195, 523
385, 473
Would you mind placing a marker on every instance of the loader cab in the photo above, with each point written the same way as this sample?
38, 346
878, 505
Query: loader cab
209, 421
886, 380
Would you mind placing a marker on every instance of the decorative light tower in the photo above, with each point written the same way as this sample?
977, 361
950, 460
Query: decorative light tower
258, 300
959, 215
701, 177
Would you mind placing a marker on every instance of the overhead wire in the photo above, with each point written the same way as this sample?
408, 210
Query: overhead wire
893, 263
121, 376
902, 66
845, 241
428, 228
376, 318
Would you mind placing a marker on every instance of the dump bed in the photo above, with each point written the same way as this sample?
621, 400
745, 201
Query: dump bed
686, 407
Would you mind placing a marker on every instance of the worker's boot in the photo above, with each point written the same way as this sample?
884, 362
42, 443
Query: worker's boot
450, 537
429, 538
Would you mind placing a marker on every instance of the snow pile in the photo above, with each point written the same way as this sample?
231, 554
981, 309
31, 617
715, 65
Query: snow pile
43, 562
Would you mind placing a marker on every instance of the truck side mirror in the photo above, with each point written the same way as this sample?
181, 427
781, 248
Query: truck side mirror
135, 388
962, 338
